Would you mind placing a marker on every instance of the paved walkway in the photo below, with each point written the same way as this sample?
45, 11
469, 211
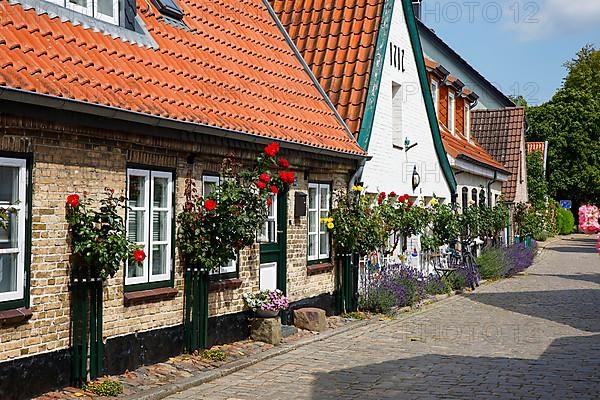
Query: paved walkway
535, 336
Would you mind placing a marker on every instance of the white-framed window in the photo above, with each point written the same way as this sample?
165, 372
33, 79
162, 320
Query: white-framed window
435, 95
397, 115
13, 185
104, 10
229, 270
319, 197
149, 224
467, 123
451, 112
268, 233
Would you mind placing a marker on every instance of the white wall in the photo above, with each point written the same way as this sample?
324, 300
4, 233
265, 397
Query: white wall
391, 169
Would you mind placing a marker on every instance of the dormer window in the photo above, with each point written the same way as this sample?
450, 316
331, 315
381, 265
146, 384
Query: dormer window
169, 8
451, 112
104, 10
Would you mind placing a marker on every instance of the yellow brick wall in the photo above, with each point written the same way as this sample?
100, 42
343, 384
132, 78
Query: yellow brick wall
71, 160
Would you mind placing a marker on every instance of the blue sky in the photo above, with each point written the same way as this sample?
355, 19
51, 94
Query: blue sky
519, 45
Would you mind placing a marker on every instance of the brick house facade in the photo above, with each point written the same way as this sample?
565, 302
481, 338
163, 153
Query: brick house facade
171, 106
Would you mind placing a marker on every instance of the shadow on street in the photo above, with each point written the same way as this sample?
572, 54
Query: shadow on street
575, 307
557, 374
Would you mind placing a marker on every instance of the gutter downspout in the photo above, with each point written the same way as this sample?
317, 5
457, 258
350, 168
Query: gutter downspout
545, 157
489, 188
357, 174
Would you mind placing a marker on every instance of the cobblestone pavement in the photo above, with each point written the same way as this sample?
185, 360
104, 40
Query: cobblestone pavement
534, 336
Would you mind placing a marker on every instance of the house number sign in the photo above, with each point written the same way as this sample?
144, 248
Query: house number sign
397, 57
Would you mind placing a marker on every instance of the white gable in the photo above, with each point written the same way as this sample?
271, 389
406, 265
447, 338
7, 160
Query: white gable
401, 114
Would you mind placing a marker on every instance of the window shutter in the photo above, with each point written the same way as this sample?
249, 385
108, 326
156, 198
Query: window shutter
130, 12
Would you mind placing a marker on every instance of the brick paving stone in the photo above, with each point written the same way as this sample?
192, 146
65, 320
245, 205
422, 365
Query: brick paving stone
183, 366
534, 336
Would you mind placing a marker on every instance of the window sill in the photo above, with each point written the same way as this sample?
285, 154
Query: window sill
142, 296
319, 268
225, 284
15, 316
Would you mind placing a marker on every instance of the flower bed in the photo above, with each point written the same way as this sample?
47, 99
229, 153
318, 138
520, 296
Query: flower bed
495, 263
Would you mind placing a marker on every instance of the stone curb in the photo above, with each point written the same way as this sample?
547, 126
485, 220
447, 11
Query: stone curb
204, 377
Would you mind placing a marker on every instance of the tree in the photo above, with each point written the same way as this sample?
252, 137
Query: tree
536, 181
518, 100
570, 122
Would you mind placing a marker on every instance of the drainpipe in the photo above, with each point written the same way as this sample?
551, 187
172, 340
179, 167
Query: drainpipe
489, 188
357, 174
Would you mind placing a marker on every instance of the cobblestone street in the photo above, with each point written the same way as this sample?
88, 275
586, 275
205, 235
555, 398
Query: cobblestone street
534, 336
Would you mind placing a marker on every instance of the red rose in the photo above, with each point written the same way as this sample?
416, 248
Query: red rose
392, 194
410, 203
264, 177
210, 205
261, 185
272, 149
380, 200
382, 195
73, 200
283, 163
287, 177
139, 255
269, 202
403, 198
274, 189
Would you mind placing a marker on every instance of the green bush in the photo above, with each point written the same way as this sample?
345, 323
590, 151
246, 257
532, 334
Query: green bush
541, 236
214, 355
378, 300
492, 263
456, 280
106, 387
565, 221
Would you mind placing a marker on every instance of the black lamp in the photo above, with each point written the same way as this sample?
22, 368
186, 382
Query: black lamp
416, 179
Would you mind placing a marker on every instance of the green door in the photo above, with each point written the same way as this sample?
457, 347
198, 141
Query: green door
273, 272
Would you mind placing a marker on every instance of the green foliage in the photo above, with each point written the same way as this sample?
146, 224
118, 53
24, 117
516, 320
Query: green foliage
212, 229
482, 221
443, 228
492, 263
355, 315
565, 221
105, 387
400, 217
357, 223
98, 237
4, 216
378, 300
455, 280
214, 355
584, 70
518, 100
570, 122
538, 223
536, 181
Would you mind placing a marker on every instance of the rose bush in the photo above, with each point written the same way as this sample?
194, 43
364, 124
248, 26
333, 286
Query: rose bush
213, 228
98, 237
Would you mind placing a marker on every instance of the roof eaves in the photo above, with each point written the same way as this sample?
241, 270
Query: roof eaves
425, 29
100, 110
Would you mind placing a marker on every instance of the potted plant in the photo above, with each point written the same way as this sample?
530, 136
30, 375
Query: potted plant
266, 303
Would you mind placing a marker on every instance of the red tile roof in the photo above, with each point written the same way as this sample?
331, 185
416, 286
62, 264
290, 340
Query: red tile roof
501, 133
458, 146
233, 70
337, 39
536, 146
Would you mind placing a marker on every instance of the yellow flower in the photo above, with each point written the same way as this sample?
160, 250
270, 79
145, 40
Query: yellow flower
433, 202
330, 220
357, 188
330, 225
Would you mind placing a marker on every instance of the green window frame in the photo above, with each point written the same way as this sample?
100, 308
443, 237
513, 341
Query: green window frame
151, 199
319, 205
15, 239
